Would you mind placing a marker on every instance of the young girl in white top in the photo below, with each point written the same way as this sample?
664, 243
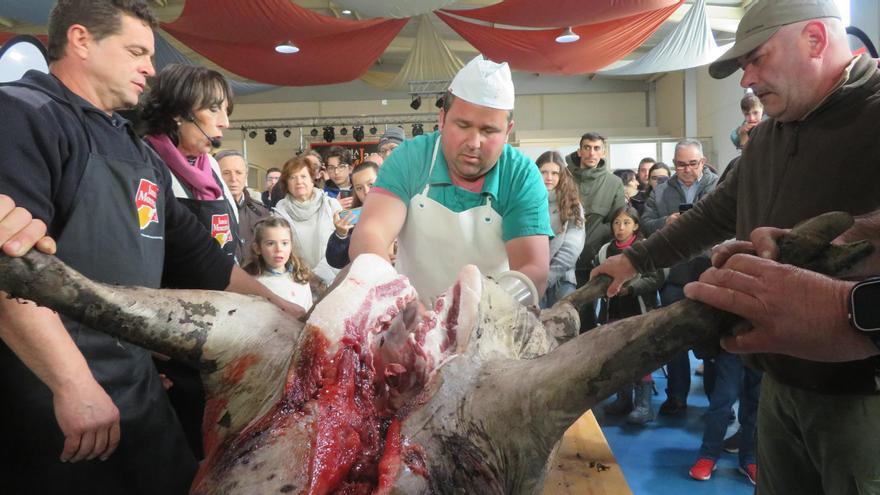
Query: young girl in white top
276, 266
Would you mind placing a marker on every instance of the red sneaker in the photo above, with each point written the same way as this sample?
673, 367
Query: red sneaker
702, 469
751, 472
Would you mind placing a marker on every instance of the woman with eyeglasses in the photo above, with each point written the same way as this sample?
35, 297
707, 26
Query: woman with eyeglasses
309, 211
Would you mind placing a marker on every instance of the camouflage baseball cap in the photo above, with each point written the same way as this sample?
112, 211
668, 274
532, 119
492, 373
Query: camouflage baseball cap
761, 21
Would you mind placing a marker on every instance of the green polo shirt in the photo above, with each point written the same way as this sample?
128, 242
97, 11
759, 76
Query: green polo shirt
514, 184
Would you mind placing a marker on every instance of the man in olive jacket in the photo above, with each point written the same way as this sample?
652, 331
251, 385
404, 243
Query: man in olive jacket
601, 193
817, 421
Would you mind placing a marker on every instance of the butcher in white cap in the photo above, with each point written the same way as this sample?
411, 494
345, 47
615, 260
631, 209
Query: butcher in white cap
461, 195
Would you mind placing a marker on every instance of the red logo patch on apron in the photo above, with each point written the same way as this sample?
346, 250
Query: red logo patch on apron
220, 229
145, 201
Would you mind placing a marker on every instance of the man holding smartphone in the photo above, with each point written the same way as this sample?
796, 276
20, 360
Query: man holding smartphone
667, 202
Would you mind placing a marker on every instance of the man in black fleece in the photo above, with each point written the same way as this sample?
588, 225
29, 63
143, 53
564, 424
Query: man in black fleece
820, 409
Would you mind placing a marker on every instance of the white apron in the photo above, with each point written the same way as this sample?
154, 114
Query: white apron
435, 242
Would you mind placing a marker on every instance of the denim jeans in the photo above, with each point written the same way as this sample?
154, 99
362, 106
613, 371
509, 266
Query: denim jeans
733, 381
678, 383
556, 292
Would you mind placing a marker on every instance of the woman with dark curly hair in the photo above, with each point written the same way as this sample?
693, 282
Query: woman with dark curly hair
567, 222
183, 117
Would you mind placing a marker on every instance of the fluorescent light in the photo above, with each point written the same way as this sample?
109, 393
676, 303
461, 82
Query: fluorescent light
346, 12
287, 48
567, 36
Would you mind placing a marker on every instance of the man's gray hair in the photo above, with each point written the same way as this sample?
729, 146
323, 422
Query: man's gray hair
694, 143
227, 153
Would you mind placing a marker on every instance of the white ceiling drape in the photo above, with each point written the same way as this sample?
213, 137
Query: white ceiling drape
689, 45
397, 9
430, 59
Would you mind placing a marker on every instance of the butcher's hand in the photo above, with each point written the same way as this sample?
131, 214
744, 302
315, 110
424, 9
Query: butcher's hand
619, 268
19, 231
89, 420
791, 310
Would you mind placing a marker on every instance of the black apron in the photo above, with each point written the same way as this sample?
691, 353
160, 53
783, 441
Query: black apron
187, 394
216, 216
113, 234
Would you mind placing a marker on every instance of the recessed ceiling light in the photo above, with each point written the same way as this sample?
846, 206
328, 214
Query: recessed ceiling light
287, 48
567, 36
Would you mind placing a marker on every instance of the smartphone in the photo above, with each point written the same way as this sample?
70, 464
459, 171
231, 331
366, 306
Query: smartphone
343, 193
685, 207
356, 212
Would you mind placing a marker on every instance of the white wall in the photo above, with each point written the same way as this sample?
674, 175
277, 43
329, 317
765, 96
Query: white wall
718, 113
542, 121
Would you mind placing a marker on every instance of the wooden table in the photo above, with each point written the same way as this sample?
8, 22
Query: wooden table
583, 463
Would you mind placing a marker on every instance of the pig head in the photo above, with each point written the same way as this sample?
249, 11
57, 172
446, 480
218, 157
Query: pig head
375, 395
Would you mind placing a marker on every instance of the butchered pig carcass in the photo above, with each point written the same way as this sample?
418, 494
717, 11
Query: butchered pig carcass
372, 395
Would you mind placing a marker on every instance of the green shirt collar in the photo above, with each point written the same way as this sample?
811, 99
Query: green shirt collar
440, 174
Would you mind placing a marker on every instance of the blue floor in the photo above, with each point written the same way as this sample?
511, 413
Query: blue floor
656, 458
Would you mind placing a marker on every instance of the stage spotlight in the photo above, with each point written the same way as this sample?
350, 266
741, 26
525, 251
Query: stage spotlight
287, 133
436, 127
373, 131
357, 132
439, 102
253, 134
417, 130
329, 133
271, 137
416, 103
314, 132
343, 131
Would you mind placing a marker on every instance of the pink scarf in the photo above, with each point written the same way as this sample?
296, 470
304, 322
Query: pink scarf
625, 244
199, 177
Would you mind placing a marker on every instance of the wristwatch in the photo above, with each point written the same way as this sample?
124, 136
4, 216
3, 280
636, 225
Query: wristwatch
864, 308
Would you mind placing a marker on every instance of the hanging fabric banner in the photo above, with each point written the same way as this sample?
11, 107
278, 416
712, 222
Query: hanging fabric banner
689, 45
241, 37
537, 50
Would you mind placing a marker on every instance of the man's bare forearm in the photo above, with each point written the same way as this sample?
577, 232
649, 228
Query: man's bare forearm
37, 336
364, 241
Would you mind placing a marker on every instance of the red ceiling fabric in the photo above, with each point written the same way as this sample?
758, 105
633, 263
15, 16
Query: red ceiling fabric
241, 37
6, 36
560, 13
537, 50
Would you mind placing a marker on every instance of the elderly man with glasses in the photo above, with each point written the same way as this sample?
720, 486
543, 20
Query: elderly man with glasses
667, 202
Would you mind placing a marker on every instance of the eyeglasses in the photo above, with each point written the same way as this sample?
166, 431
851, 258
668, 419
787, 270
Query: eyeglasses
690, 164
659, 178
342, 166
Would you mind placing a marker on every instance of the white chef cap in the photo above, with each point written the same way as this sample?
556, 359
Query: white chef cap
483, 82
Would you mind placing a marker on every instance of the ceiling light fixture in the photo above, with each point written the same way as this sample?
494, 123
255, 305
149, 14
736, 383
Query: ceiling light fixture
252, 134
567, 36
439, 102
271, 136
314, 132
329, 133
417, 130
373, 131
287, 133
357, 132
287, 48
416, 103
346, 12
344, 131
